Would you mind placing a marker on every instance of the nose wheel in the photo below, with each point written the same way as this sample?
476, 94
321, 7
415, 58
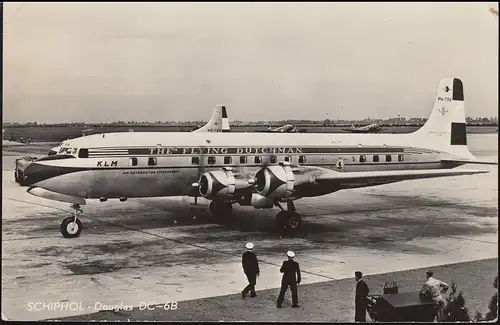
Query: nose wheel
288, 219
71, 227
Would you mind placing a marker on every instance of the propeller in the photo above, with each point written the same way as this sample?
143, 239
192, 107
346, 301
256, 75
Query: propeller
201, 170
194, 187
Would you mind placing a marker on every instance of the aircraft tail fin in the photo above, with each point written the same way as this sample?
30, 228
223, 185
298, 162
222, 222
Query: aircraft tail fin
445, 129
218, 122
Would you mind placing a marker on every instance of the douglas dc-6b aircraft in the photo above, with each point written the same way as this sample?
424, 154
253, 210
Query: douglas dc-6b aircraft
258, 169
219, 122
372, 128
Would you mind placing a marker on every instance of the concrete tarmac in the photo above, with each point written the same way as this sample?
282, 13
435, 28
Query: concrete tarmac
167, 249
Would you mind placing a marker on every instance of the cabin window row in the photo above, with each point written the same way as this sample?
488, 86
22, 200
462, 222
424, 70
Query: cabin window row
211, 160
376, 158
151, 161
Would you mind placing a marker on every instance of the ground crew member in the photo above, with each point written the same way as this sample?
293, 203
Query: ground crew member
251, 269
362, 291
436, 288
291, 277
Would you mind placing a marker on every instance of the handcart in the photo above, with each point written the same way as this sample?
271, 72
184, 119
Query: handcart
400, 307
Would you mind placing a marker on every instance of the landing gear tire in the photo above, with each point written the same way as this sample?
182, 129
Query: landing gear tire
288, 220
294, 221
221, 210
282, 220
71, 228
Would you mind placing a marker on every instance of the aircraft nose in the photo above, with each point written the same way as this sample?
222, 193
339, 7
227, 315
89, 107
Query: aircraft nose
37, 172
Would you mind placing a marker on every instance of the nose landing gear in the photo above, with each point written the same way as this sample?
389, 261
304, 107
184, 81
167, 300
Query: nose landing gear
288, 219
71, 227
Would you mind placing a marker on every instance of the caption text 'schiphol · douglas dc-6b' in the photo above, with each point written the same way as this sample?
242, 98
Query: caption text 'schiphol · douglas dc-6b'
252, 169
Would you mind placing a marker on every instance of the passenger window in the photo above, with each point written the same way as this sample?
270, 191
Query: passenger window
288, 158
362, 158
401, 158
388, 158
151, 161
154, 151
302, 159
195, 160
257, 159
211, 160
132, 162
227, 160
273, 159
375, 158
83, 153
243, 159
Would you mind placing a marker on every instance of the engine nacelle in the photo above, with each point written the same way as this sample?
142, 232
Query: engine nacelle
275, 181
261, 202
220, 184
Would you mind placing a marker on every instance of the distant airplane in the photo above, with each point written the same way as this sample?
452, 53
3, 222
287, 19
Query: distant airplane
372, 128
288, 128
219, 122
262, 170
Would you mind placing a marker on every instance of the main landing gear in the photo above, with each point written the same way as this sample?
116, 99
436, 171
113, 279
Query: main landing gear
71, 227
221, 210
288, 219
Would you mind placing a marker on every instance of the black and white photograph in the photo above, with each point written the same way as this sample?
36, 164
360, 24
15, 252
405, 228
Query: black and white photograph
331, 162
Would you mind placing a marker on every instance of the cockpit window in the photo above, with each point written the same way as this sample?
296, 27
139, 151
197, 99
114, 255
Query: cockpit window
55, 157
67, 151
83, 153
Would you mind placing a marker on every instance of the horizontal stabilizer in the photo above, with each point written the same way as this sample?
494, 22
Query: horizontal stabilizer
46, 194
346, 178
467, 161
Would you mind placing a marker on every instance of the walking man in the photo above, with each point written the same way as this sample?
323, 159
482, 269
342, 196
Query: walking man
436, 288
291, 277
251, 269
362, 291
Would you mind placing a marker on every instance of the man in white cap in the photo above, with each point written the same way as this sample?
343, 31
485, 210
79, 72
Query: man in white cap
251, 269
289, 269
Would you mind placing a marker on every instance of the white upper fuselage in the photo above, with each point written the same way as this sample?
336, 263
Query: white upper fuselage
141, 139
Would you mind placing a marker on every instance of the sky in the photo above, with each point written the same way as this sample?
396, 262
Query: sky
103, 62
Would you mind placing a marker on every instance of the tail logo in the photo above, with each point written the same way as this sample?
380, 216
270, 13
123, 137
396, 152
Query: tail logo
443, 110
446, 89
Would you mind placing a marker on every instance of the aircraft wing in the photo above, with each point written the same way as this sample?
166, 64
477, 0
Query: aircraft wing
350, 179
468, 161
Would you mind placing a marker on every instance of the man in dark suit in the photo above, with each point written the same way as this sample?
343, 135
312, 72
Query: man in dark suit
251, 269
361, 297
291, 277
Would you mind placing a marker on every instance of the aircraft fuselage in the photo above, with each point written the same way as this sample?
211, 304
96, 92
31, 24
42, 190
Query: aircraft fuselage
152, 171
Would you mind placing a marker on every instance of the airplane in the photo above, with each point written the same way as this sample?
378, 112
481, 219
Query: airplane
218, 122
372, 128
288, 128
261, 170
